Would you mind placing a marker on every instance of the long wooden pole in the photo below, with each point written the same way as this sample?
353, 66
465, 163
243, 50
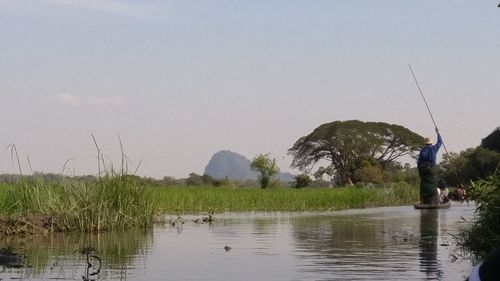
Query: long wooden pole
433, 121
423, 97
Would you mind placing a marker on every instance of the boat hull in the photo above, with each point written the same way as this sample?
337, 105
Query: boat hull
419, 205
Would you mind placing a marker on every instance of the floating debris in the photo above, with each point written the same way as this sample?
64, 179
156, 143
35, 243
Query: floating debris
403, 236
209, 219
453, 258
227, 248
177, 222
467, 221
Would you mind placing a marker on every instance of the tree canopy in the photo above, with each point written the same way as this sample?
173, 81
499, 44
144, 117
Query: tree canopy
473, 164
469, 165
492, 141
266, 166
344, 143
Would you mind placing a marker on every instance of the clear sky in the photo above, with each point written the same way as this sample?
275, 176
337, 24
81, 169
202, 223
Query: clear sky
181, 80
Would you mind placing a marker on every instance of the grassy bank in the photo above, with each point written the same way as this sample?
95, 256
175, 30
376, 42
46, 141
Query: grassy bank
110, 202
220, 199
119, 201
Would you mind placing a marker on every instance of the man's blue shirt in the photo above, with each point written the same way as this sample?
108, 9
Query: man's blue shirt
428, 153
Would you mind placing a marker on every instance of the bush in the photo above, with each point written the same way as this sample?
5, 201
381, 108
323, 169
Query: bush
373, 174
484, 235
302, 180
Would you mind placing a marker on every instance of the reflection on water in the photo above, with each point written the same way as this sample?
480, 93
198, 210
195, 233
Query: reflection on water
9, 258
63, 255
428, 255
356, 247
396, 243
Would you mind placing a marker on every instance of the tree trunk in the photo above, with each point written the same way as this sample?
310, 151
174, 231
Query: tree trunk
345, 178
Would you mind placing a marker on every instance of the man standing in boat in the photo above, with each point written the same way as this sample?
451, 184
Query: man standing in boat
427, 170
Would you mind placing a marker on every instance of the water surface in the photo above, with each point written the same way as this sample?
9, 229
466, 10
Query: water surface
393, 243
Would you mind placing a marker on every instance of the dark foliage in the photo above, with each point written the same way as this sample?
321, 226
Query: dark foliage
469, 165
492, 141
484, 235
302, 180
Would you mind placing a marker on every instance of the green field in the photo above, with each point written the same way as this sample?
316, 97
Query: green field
224, 199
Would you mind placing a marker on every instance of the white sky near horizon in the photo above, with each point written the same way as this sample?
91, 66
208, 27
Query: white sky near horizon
181, 80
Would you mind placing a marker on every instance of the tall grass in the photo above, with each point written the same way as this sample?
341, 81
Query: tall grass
119, 201
113, 200
220, 199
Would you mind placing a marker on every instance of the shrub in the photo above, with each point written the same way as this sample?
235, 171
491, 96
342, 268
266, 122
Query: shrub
302, 180
484, 235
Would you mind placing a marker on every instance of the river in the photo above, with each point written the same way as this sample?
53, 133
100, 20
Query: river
391, 243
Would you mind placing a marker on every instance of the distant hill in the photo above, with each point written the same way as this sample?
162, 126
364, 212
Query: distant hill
228, 164
285, 177
231, 165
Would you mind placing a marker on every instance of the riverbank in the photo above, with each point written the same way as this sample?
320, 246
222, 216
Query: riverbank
120, 202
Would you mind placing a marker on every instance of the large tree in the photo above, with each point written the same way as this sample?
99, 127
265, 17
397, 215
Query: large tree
342, 143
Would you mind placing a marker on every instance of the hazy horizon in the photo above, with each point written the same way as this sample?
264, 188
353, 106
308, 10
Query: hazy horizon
179, 81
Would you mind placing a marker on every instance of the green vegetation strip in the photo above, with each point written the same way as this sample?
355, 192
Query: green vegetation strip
120, 202
180, 200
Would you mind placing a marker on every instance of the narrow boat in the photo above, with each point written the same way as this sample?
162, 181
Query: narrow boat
419, 205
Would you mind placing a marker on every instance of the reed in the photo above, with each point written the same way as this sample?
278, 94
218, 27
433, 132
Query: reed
110, 202
222, 199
